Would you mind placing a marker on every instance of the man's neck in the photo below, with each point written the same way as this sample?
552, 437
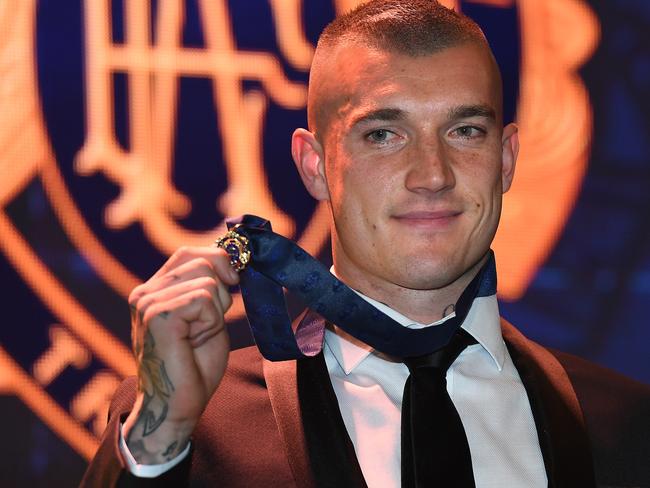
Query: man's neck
423, 306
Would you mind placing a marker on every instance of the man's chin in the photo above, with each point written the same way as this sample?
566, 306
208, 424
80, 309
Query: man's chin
427, 276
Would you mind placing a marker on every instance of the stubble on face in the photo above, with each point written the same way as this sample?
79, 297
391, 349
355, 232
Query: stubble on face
391, 238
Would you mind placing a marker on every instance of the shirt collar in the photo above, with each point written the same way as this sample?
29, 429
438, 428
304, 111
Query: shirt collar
482, 322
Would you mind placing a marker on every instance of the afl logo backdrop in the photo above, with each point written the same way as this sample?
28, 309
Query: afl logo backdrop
145, 124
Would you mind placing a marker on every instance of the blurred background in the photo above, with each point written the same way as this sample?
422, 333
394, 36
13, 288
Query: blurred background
131, 127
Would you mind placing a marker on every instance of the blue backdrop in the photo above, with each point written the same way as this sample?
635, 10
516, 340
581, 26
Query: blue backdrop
70, 253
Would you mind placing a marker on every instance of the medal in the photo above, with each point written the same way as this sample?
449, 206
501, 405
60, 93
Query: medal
238, 248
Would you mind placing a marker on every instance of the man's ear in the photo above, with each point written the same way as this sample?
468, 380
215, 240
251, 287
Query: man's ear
309, 157
510, 150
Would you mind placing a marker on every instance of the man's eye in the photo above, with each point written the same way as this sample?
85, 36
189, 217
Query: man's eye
380, 135
469, 131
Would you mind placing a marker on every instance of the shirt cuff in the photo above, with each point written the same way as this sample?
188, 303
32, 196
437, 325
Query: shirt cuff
148, 470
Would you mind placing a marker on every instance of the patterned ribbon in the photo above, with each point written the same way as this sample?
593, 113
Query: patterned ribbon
279, 262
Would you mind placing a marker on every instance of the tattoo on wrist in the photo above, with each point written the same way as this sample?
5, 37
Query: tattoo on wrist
155, 384
140, 451
171, 449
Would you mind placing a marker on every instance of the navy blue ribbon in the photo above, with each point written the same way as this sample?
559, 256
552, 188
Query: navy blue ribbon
279, 262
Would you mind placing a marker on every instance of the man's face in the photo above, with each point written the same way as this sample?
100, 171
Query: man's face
415, 163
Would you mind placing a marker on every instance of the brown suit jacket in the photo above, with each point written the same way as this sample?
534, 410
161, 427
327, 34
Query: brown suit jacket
278, 425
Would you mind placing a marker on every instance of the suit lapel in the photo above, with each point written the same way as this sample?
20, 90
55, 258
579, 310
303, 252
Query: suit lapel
320, 451
318, 446
281, 382
557, 413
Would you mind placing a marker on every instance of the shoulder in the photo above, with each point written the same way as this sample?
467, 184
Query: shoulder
616, 410
609, 400
596, 382
591, 379
615, 407
600, 391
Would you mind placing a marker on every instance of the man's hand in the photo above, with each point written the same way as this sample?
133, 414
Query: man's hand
181, 347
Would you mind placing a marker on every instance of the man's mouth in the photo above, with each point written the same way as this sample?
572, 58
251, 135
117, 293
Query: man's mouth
428, 219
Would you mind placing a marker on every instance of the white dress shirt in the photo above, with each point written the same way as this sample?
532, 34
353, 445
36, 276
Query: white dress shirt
483, 384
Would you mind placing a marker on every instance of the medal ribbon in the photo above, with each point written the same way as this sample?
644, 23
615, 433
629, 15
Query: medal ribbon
278, 262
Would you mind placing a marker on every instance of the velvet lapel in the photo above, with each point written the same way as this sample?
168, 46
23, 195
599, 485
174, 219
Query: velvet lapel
319, 449
281, 382
557, 413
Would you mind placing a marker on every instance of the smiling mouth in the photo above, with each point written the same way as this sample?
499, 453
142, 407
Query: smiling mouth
434, 220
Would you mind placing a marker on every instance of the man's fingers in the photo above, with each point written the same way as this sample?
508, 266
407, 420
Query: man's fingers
225, 271
216, 289
218, 259
179, 334
205, 335
195, 269
225, 298
216, 263
219, 269
203, 329
187, 271
185, 316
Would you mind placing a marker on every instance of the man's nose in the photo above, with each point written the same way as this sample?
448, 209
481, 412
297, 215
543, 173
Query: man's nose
430, 168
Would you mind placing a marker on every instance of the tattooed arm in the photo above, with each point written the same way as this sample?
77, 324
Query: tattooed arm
181, 348
155, 389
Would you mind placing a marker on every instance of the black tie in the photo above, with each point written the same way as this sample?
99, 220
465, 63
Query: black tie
435, 452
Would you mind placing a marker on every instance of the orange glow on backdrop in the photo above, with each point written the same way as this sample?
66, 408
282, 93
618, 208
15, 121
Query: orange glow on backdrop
554, 116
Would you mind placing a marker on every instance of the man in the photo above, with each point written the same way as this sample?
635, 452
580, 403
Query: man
406, 145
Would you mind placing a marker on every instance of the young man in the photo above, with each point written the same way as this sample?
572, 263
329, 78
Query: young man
406, 145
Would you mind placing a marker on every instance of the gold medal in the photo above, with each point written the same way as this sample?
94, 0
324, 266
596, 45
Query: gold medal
237, 247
